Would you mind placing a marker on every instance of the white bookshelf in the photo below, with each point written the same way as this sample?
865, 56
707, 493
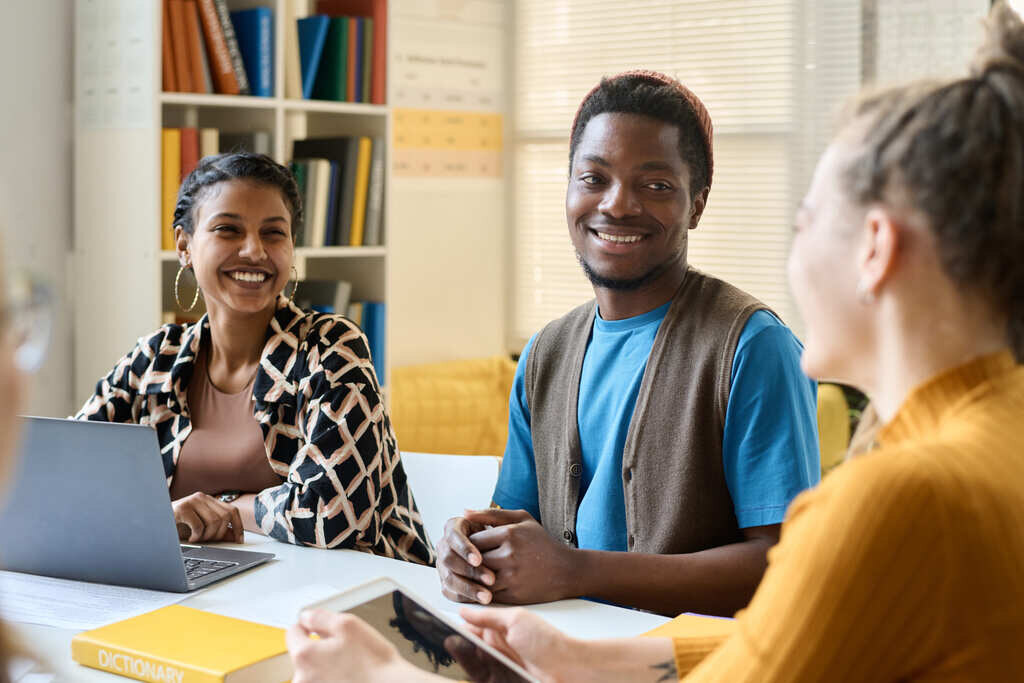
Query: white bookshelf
124, 280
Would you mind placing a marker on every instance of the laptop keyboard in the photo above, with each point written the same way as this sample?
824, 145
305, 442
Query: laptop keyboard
196, 569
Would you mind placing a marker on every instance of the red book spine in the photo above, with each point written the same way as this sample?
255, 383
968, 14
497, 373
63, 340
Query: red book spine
189, 151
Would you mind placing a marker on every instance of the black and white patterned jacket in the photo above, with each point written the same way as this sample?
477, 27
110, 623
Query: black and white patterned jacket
327, 433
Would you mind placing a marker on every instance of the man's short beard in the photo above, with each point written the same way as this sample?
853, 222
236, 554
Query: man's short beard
629, 285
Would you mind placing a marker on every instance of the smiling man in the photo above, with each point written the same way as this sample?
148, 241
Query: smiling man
658, 433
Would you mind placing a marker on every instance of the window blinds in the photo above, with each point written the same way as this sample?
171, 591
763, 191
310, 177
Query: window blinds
772, 74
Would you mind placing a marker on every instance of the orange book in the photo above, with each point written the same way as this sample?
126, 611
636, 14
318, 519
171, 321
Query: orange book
170, 178
350, 78
170, 83
221, 68
179, 32
378, 11
193, 47
189, 151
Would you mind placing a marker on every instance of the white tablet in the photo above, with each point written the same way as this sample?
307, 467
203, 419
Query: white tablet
423, 636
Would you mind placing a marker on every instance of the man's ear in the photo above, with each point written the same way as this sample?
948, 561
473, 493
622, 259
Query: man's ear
181, 245
883, 239
697, 210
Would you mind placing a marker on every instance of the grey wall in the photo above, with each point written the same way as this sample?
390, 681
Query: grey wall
35, 173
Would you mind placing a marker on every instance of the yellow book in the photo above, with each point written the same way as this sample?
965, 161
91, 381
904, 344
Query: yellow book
170, 178
359, 197
179, 644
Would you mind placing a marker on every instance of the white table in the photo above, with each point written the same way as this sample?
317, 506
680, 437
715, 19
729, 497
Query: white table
294, 566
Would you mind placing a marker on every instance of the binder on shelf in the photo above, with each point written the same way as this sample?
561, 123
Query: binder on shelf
312, 35
254, 29
378, 11
222, 69
170, 179
331, 78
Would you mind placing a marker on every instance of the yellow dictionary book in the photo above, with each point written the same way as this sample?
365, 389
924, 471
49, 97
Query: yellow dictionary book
179, 644
170, 178
359, 198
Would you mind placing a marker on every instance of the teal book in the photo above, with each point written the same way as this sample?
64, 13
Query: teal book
374, 324
312, 36
332, 78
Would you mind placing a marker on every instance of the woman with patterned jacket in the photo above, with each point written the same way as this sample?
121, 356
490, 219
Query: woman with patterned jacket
269, 417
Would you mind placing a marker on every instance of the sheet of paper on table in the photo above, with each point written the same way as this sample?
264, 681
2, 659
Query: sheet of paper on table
74, 605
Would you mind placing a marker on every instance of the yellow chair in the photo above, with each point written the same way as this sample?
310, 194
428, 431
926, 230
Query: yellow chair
461, 408
456, 407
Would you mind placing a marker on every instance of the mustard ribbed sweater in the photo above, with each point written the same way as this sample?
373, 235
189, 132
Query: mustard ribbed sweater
904, 564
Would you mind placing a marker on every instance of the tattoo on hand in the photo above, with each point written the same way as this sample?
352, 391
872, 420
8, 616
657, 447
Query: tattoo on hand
669, 671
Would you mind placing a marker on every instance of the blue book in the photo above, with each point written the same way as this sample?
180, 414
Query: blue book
360, 42
333, 192
312, 36
254, 29
374, 324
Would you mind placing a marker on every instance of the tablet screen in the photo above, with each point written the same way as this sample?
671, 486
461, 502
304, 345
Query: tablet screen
430, 643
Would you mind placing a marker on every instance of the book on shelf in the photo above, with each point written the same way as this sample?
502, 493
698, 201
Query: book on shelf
189, 151
178, 33
209, 142
170, 178
352, 24
356, 90
185, 645
375, 197
292, 64
377, 12
255, 141
255, 31
367, 60
222, 68
325, 296
374, 325
330, 82
355, 312
355, 190
359, 194
170, 82
201, 52
193, 43
312, 36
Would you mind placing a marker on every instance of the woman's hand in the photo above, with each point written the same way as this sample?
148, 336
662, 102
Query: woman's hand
203, 518
528, 640
346, 649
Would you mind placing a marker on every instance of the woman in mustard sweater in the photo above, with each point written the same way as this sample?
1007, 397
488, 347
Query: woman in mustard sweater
906, 563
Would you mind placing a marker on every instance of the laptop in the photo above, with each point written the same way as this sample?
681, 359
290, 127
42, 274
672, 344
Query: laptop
89, 502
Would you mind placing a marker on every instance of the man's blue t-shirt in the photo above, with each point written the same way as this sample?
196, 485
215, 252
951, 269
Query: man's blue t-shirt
769, 445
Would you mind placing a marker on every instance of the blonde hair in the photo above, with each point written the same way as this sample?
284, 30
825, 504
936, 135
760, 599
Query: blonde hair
953, 152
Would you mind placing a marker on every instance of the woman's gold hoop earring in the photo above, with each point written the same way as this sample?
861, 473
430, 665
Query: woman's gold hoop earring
295, 288
177, 298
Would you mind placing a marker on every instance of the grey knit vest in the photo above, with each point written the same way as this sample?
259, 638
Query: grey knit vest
676, 496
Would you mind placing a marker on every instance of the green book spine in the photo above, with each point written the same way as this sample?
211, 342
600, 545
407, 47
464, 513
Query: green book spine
331, 77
